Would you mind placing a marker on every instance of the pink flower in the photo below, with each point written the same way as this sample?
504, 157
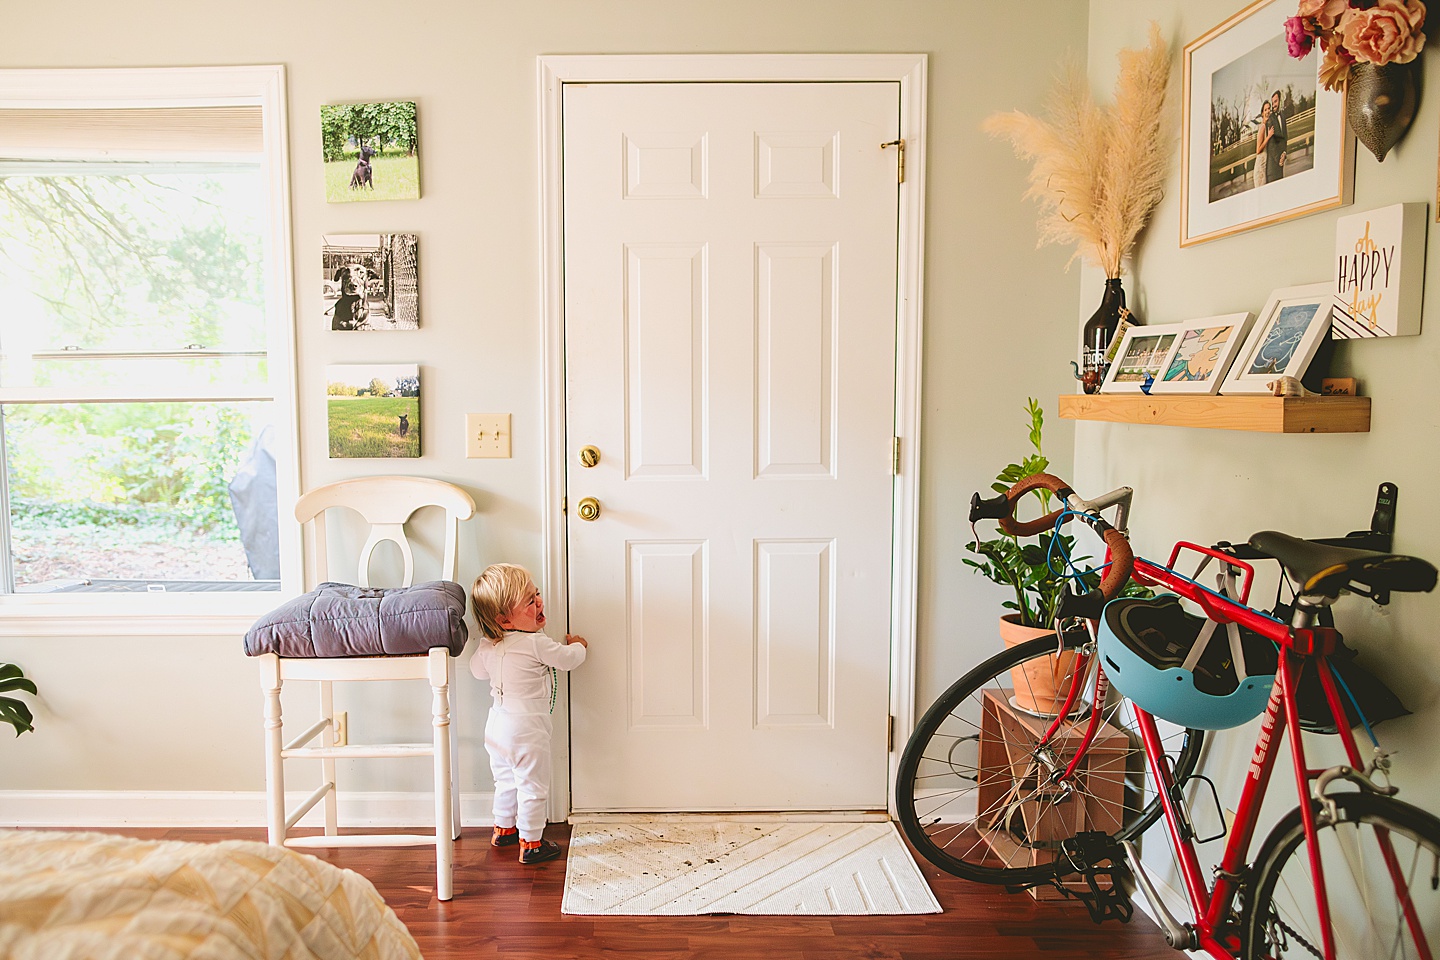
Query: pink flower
1325, 13
1388, 32
1335, 68
1297, 39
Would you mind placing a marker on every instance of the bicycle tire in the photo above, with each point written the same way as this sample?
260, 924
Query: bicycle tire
934, 804
1279, 923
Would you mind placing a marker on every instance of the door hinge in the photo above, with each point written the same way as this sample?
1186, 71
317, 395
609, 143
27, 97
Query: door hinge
564, 504
899, 145
895, 456
890, 734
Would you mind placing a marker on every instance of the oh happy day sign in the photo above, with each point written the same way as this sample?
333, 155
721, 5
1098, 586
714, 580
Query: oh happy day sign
1379, 272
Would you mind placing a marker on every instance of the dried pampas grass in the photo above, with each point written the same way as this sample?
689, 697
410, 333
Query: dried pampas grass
1098, 172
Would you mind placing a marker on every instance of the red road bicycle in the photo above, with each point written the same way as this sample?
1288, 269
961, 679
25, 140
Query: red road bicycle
1032, 769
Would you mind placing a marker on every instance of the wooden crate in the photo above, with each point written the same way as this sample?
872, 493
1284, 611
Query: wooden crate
1007, 736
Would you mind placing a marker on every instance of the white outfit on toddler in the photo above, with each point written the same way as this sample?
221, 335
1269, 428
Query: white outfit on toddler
517, 733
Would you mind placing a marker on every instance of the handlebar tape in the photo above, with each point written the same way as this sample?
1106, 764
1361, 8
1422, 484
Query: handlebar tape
1122, 558
1036, 481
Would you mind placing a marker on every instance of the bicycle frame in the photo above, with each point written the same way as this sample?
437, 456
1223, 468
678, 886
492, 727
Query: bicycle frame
1212, 908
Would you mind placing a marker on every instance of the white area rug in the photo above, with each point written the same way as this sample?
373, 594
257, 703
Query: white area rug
653, 867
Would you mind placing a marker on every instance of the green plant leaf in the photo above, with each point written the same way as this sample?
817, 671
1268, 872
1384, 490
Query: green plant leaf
17, 683
17, 715
1033, 555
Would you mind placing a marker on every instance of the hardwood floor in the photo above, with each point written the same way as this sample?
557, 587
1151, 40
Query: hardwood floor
502, 909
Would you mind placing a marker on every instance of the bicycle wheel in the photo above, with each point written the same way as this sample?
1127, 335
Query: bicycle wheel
1366, 905
973, 791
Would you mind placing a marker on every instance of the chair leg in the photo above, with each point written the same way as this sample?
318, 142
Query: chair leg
327, 764
440, 677
454, 767
274, 742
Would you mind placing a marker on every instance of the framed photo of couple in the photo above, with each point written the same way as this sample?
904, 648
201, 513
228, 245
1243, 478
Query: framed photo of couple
1262, 141
1189, 357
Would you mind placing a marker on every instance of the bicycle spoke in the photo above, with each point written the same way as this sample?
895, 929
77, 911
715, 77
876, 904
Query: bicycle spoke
1376, 858
982, 792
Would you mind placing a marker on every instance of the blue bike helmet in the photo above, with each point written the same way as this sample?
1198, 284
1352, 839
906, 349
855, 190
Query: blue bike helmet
1180, 667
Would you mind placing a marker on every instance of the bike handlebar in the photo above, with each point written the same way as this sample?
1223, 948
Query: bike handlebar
1002, 510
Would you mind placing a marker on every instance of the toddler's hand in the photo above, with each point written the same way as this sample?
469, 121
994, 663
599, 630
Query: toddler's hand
572, 638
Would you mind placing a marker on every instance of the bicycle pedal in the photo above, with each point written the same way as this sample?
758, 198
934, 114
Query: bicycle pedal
1100, 860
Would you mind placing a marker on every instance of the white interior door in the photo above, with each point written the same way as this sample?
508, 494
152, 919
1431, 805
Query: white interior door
730, 319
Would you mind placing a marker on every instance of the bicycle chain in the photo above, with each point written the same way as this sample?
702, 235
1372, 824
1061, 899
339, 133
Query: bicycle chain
1295, 934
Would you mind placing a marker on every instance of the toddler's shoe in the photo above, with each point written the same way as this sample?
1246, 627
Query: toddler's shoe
539, 852
501, 837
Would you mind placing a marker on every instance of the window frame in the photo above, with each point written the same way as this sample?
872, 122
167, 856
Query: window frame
206, 613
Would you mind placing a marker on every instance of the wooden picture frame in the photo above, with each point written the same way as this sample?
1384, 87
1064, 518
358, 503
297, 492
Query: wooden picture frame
1141, 357
1231, 74
1203, 353
1283, 340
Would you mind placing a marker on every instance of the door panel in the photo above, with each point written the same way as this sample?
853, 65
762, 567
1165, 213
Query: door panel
730, 257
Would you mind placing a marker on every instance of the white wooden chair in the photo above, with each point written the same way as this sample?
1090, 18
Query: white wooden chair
386, 503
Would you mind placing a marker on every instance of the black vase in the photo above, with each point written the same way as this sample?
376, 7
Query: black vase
1380, 103
1099, 331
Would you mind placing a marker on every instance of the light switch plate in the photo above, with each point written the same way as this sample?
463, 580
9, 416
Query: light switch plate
487, 435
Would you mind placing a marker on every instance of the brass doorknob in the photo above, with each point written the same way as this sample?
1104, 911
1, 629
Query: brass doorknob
589, 509
589, 456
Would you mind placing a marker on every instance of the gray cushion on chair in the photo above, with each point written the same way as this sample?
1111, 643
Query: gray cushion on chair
340, 620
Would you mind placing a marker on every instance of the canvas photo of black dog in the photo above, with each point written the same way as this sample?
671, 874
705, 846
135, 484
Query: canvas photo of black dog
373, 409
370, 281
371, 150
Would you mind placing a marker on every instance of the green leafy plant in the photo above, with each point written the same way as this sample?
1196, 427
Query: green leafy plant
13, 711
1035, 571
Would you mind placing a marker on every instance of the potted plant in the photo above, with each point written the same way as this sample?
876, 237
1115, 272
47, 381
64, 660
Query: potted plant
1038, 571
13, 711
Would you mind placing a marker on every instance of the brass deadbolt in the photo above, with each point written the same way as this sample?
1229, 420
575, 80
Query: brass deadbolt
589, 455
589, 509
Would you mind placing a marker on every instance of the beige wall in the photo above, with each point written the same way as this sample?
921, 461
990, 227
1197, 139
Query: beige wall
183, 714
1208, 485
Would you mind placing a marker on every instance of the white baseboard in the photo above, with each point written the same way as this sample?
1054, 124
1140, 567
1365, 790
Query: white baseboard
789, 816
219, 808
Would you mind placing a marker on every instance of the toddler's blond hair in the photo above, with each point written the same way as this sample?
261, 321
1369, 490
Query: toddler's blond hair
497, 591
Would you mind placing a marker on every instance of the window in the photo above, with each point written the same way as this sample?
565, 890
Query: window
146, 382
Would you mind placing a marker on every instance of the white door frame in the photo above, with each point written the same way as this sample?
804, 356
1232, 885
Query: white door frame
909, 70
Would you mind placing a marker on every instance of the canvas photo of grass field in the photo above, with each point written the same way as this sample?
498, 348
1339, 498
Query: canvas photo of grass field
372, 151
373, 410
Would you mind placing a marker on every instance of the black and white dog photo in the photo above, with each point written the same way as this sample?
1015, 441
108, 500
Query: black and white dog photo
352, 305
370, 281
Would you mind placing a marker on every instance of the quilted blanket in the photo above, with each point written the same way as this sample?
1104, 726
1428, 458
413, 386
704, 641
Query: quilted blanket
341, 620
89, 896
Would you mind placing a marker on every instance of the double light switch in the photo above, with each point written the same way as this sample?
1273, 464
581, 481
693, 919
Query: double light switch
487, 435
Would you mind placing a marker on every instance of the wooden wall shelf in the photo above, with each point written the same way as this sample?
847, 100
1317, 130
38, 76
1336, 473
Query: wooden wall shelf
1263, 414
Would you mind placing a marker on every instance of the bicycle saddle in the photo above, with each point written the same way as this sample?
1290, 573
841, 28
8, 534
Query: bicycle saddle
1326, 570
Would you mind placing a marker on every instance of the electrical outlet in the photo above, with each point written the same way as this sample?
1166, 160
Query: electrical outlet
341, 724
487, 435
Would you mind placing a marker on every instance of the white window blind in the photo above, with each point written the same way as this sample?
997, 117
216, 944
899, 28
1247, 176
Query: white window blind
131, 133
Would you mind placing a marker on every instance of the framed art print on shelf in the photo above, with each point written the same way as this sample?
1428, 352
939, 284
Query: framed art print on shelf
1202, 354
1288, 332
1141, 357
1261, 140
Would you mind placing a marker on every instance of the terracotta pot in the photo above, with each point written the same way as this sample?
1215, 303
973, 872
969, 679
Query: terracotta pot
1042, 684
